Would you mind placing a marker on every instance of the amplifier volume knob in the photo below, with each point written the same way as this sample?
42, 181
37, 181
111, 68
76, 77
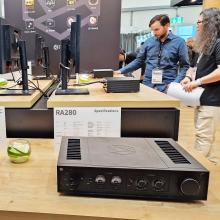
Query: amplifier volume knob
190, 187
100, 179
116, 180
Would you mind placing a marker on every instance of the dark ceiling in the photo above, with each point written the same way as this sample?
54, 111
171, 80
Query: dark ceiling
179, 3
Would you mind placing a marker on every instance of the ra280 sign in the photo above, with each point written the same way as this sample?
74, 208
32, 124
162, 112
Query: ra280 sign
67, 112
61, 112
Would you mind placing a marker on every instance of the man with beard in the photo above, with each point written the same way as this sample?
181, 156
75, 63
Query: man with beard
165, 56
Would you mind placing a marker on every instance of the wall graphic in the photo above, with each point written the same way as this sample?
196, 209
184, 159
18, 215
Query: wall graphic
100, 29
57, 15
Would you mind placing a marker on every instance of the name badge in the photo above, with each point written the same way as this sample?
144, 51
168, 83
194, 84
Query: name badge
157, 76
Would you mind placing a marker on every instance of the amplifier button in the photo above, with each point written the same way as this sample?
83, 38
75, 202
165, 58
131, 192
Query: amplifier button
158, 184
141, 184
100, 179
190, 187
116, 180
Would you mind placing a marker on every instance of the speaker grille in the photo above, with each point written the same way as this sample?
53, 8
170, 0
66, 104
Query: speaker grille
172, 153
73, 149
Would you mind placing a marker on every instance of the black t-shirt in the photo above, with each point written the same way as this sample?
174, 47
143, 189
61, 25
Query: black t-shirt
207, 64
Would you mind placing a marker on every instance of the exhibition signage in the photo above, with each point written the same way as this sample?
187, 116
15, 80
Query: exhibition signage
86, 122
176, 20
2, 127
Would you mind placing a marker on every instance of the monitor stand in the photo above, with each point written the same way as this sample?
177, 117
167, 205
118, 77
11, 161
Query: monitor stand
75, 91
72, 76
43, 77
16, 92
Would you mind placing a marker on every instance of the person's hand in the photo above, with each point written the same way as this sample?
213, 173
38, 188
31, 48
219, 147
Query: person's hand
117, 73
188, 87
185, 81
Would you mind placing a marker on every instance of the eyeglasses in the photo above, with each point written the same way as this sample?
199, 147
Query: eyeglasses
199, 22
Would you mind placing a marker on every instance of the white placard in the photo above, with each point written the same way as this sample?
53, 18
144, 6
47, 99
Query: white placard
2, 127
86, 122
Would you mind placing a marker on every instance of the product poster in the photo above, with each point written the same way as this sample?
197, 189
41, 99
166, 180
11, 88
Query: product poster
51, 20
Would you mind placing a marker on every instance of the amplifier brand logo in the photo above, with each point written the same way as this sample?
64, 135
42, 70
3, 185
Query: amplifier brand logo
122, 149
65, 112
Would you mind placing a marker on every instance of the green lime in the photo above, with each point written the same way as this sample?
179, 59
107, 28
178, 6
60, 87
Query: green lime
3, 82
84, 78
19, 151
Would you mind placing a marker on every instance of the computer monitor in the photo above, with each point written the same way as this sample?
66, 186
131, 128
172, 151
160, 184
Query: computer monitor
2, 60
13, 56
74, 48
24, 78
70, 53
77, 42
38, 50
41, 65
9, 52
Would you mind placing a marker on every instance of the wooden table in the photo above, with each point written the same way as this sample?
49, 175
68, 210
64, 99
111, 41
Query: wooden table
146, 98
24, 101
28, 191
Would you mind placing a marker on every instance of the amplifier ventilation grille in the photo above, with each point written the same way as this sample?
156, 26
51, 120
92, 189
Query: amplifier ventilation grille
172, 153
73, 149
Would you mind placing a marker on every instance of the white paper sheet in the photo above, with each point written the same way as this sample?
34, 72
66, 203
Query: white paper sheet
17, 74
86, 122
188, 98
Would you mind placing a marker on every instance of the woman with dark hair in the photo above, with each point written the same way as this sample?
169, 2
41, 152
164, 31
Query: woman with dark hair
207, 75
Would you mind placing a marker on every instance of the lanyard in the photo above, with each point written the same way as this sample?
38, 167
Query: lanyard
196, 66
199, 58
160, 54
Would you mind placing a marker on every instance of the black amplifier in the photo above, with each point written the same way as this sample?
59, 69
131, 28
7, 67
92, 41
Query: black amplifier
144, 168
121, 85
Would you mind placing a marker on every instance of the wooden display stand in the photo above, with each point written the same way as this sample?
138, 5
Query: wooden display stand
211, 4
148, 113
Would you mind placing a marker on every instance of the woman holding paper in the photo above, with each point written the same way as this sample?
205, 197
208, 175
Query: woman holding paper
207, 75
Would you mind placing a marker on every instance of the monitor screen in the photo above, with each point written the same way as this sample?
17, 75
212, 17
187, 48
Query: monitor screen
186, 31
2, 61
39, 44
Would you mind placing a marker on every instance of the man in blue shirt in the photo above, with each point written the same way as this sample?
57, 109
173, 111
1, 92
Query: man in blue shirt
165, 56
